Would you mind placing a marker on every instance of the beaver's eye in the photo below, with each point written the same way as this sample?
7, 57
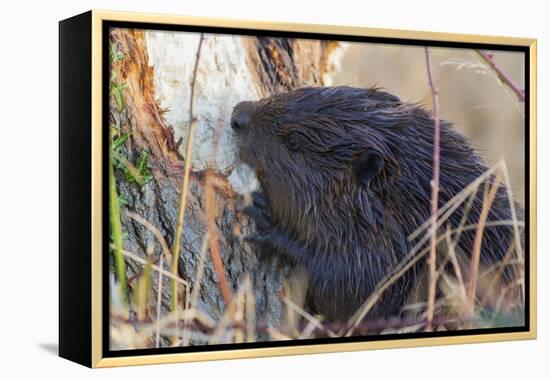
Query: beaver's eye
292, 142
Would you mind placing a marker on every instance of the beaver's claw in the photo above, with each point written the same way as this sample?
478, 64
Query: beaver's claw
260, 212
260, 200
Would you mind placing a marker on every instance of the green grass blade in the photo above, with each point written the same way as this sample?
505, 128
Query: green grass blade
116, 231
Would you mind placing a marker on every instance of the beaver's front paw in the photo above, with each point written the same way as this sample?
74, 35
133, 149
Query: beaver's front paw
260, 212
268, 239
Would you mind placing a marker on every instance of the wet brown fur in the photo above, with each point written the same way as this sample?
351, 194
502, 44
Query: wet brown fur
348, 235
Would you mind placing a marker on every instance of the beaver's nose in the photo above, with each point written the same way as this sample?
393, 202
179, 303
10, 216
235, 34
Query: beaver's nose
241, 115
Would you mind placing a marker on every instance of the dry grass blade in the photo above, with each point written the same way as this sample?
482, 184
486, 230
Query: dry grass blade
446, 210
238, 317
250, 312
405, 265
416, 253
155, 267
454, 262
400, 269
505, 291
500, 270
310, 318
212, 229
159, 302
518, 246
194, 296
476, 253
200, 272
508, 185
169, 323
155, 231
144, 285
276, 335
222, 332
233, 316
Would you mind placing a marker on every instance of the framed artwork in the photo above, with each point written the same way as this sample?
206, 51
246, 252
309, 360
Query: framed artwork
235, 189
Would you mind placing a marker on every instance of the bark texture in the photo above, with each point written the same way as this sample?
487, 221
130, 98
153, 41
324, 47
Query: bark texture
156, 69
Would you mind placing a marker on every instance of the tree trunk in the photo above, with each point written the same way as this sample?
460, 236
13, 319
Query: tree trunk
151, 76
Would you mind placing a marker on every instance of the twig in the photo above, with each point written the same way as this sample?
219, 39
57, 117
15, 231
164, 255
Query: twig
435, 195
185, 184
504, 78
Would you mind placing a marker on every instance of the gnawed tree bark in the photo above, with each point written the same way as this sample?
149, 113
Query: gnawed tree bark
155, 70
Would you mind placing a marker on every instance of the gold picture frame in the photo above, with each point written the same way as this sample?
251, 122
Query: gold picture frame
82, 276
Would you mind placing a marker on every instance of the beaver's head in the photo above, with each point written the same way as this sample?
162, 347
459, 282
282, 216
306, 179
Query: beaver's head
312, 146
348, 156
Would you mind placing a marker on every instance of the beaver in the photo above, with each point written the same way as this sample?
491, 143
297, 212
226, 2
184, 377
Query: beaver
346, 177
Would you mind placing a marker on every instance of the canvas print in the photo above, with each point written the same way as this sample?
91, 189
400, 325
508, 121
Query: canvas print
267, 189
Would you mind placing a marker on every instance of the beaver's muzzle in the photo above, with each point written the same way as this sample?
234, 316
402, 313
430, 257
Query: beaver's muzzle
242, 115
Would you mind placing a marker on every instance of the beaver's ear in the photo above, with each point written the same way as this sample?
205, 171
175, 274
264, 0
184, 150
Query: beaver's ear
368, 165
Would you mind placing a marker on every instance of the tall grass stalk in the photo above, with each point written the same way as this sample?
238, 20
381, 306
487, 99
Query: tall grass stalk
184, 187
116, 231
432, 283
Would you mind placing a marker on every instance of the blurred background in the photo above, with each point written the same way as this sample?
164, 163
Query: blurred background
471, 95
